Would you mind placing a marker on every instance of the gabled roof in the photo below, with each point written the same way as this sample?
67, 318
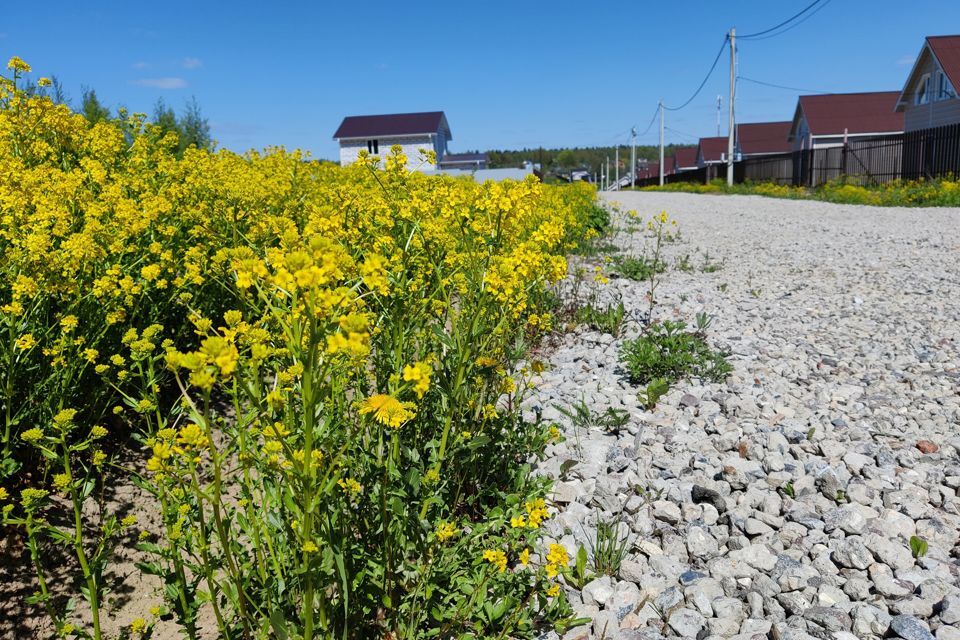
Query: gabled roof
713, 149
946, 51
685, 158
831, 113
394, 124
763, 137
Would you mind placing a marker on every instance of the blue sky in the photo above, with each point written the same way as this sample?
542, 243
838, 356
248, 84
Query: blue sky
508, 74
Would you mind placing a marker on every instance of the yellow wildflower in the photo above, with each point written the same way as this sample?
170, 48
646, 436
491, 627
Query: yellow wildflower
444, 531
497, 558
387, 410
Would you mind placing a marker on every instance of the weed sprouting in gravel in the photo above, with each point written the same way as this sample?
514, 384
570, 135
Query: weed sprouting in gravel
668, 351
606, 319
610, 548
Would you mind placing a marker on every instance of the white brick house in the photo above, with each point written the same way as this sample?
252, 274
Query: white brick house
415, 132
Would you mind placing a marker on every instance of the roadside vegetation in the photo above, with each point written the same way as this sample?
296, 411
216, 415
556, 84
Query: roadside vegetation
943, 192
312, 373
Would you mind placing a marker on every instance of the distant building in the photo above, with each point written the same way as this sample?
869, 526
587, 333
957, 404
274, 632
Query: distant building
414, 132
712, 151
762, 138
929, 96
470, 161
685, 159
827, 120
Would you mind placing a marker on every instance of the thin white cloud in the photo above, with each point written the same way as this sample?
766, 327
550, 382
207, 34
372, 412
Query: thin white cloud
906, 61
192, 63
161, 83
140, 65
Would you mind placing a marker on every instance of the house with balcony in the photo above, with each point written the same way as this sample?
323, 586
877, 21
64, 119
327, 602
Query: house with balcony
929, 96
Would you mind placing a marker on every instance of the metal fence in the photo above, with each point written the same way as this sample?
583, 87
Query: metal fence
929, 153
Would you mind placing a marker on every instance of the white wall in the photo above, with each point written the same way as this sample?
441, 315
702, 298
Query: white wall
412, 145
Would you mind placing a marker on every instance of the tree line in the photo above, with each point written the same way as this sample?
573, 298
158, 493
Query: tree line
190, 125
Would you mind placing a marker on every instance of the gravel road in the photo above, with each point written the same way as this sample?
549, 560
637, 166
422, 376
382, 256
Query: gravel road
843, 324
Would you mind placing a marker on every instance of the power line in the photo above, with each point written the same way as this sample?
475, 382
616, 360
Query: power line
780, 86
707, 77
784, 23
794, 25
652, 120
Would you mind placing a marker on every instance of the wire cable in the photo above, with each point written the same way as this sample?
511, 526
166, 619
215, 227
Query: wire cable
780, 86
792, 26
784, 23
723, 46
652, 120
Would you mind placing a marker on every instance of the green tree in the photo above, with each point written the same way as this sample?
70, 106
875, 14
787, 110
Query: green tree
91, 107
566, 159
194, 128
165, 118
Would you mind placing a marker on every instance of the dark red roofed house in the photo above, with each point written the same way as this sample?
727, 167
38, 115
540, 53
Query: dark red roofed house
712, 151
826, 120
414, 132
929, 97
762, 138
685, 159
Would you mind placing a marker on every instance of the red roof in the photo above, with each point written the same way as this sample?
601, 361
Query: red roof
947, 51
832, 113
713, 149
763, 137
685, 158
395, 124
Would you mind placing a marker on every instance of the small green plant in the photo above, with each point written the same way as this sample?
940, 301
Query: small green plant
918, 547
708, 265
608, 319
789, 491
639, 268
584, 417
841, 496
683, 264
722, 287
810, 433
755, 293
670, 352
578, 576
609, 549
651, 394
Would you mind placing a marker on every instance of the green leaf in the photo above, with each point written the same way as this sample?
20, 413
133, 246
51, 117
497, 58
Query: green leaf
279, 625
918, 546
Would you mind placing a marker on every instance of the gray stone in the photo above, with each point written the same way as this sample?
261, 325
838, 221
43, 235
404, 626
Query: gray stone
852, 553
687, 623
869, 620
828, 618
950, 609
708, 496
909, 628
597, 591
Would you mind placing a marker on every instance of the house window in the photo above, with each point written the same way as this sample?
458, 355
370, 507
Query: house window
923, 91
373, 146
943, 87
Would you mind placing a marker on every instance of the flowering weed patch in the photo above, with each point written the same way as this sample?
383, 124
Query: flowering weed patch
940, 192
323, 367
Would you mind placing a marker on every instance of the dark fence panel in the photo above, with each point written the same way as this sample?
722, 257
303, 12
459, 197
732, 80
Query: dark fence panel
925, 154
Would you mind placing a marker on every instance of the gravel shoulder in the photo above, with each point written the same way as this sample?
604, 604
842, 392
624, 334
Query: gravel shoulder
843, 325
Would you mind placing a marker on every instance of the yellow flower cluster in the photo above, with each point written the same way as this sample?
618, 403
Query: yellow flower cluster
497, 558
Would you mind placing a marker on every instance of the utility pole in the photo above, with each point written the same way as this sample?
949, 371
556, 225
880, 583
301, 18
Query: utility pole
661, 143
733, 84
606, 172
633, 156
616, 166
